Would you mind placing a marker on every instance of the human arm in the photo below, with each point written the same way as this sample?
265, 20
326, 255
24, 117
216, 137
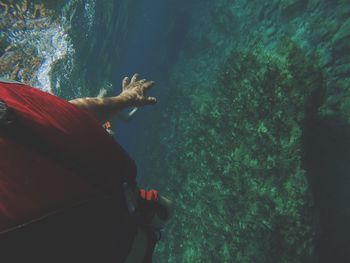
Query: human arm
132, 95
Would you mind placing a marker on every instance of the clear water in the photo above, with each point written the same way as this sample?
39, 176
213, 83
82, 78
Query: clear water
249, 134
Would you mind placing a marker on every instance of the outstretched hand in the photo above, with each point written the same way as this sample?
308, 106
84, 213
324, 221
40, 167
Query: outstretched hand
132, 95
133, 91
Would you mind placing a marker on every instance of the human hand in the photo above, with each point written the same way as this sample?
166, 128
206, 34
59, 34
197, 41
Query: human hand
133, 92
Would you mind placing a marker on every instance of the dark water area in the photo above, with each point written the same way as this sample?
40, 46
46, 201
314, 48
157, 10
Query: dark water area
250, 134
327, 162
152, 47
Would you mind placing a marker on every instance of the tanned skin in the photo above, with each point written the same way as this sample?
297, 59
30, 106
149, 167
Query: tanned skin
132, 95
104, 109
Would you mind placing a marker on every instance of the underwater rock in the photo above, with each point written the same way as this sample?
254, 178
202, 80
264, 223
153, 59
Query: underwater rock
313, 5
324, 56
4, 9
341, 71
290, 8
344, 11
270, 31
3, 45
325, 31
241, 146
9, 60
225, 133
342, 34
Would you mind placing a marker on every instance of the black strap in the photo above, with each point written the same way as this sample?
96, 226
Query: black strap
7, 115
153, 235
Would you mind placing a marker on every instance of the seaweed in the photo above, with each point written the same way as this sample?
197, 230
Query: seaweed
237, 162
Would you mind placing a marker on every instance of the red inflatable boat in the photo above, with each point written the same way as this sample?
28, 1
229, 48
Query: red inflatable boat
61, 178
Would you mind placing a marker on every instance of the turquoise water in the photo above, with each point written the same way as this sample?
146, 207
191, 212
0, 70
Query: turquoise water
250, 132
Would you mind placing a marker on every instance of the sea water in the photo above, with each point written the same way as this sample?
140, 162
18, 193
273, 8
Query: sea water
250, 131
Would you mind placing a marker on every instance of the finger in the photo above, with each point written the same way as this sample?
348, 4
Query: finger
147, 85
134, 78
125, 82
102, 93
150, 101
142, 81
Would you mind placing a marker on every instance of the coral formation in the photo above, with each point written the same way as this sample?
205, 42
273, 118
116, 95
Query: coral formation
21, 62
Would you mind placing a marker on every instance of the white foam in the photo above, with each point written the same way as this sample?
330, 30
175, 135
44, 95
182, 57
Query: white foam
89, 13
51, 44
56, 47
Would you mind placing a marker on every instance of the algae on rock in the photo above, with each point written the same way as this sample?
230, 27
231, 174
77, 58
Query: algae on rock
237, 163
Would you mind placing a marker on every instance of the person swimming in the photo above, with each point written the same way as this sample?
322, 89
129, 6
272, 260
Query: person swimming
132, 95
71, 171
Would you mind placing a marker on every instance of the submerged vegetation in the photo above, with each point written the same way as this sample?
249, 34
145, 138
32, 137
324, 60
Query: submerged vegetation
228, 138
235, 157
233, 146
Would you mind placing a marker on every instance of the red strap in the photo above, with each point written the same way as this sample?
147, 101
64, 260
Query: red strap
107, 125
151, 195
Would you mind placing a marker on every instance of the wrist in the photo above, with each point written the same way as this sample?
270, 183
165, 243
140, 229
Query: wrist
125, 100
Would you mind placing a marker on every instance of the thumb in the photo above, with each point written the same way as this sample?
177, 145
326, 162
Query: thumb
125, 82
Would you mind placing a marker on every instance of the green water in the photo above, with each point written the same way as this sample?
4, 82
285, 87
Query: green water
251, 131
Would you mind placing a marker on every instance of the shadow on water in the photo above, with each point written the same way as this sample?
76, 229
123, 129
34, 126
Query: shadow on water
156, 36
174, 39
327, 161
153, 45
